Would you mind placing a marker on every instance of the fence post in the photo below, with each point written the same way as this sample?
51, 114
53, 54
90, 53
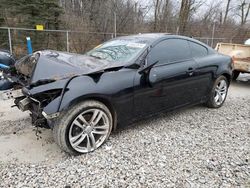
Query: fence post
29, 45
10, 45
212, 42
177, 30
67, 38
115, 29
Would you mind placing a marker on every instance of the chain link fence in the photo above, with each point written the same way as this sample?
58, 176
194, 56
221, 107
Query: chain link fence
14, 39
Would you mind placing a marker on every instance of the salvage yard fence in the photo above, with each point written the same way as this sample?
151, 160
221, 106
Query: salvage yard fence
14, 40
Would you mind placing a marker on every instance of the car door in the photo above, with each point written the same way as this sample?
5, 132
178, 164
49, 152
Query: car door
171, 82
205, 69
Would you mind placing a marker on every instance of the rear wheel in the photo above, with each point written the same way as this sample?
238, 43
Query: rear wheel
218, 93
83, 128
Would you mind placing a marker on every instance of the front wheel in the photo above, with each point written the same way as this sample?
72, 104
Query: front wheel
83, 128
218, 93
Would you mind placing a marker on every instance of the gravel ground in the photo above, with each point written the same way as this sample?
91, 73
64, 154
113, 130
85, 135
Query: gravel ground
194, 147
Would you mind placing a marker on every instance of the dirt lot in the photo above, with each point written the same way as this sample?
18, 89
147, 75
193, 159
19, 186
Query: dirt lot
187, 148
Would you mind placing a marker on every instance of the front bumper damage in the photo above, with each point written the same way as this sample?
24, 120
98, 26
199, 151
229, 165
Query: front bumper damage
27, 103
11, 94
40, 81
50, 116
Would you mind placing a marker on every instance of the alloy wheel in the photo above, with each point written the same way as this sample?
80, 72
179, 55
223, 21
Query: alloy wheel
89, 130
220, 92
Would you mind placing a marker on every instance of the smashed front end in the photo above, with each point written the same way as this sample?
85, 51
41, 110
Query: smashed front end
33, 95
41, 80
36, 103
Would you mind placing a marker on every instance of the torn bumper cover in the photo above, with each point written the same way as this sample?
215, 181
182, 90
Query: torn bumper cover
25, 103
50, 116
11, 94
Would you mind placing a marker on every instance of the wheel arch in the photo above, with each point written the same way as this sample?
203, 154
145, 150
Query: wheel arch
109, 105
101, 99
228, 77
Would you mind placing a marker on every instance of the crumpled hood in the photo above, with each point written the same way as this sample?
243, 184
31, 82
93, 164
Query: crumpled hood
44, 65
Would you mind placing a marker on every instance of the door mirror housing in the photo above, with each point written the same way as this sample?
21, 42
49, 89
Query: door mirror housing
146, 68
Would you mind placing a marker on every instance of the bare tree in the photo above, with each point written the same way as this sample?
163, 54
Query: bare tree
136, 16
186, 11
227, 11
156, 11
244, 9
211, 13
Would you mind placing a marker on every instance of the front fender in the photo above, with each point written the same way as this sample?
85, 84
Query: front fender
114, 87
73, 90
84, 87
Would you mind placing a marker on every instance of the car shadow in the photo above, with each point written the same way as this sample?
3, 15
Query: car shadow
156, 118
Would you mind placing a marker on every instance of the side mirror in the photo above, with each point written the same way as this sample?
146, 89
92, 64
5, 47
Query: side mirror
147, 68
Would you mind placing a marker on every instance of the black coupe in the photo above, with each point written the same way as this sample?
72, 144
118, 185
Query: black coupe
82, 98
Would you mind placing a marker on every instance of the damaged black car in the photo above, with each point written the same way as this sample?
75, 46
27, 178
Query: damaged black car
83, 98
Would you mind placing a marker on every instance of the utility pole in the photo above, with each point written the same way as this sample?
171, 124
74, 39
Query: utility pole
10, 43
212, 42
67, 39
115, 23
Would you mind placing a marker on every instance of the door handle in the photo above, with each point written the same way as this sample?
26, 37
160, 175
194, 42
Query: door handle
190, 71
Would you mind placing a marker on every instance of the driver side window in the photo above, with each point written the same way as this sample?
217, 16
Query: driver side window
169, 51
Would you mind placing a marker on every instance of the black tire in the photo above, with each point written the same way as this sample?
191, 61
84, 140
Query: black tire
211, 103
64, 122
236, 75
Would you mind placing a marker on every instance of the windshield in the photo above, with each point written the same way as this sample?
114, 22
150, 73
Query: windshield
117, 50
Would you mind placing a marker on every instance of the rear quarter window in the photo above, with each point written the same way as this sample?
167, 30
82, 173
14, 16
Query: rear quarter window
198, 50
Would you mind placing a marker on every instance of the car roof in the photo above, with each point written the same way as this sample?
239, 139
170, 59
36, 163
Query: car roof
151, 38
146, 37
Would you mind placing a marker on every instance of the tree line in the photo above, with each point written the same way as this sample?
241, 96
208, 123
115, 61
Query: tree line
225, 19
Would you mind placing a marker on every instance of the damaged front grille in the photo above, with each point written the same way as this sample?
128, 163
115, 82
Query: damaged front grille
46, 97
35, 104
